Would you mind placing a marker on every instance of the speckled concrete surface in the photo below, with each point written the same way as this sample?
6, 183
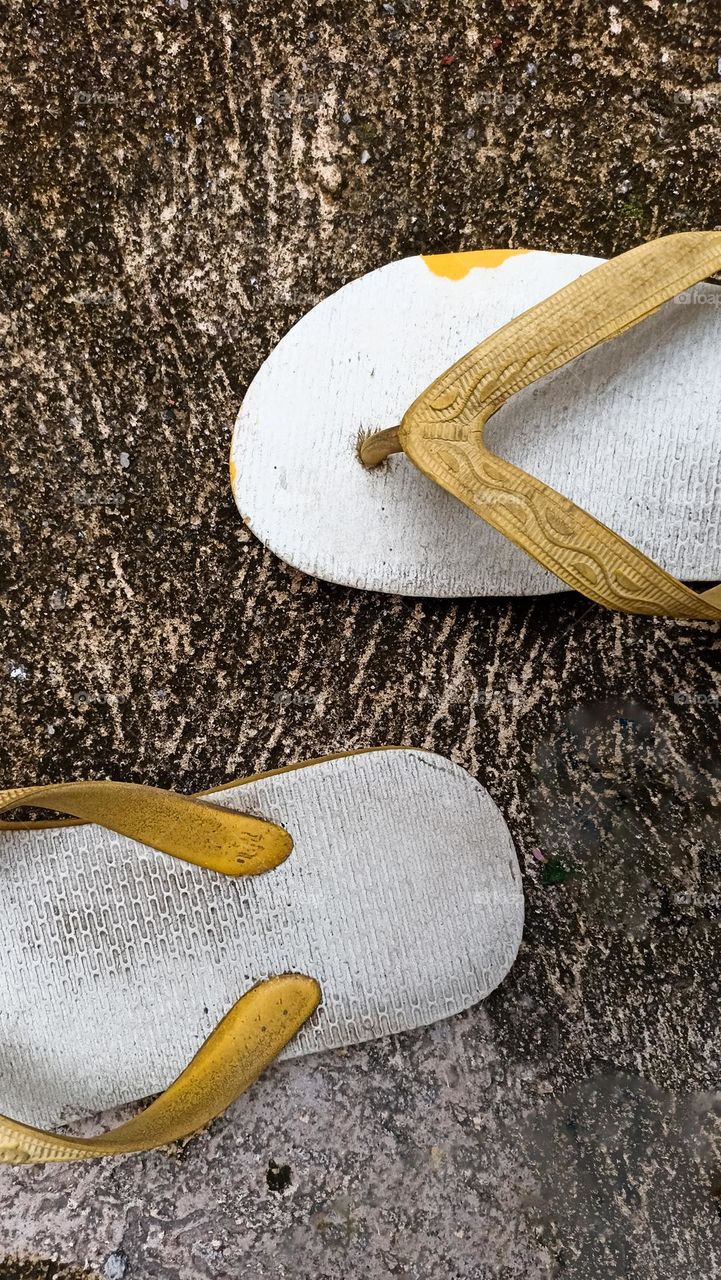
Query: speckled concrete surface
180, 182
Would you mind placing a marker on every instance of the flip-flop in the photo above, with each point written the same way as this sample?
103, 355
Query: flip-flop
629, 432
401, 901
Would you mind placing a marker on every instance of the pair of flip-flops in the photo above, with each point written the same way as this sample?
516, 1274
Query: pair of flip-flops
390, 885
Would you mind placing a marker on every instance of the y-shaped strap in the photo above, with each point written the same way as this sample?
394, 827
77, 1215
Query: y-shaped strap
442, 432
258, 1026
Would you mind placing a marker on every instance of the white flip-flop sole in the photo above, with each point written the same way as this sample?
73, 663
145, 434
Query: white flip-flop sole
402, 896
628, 431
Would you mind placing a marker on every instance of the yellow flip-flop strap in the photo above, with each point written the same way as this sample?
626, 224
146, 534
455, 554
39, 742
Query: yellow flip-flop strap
442, 432
194, 830
254, 1031
243, 1044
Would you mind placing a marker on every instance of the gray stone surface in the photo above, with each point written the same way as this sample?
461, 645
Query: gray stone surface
180, 182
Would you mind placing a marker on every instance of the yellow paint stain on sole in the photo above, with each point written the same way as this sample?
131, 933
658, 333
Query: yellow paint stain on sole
455, 266
233, 472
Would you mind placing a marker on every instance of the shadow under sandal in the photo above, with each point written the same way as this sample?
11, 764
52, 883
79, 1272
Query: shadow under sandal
627, 430
386, 879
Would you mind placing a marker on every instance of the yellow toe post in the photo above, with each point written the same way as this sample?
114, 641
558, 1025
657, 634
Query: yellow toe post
378, 446
243, 1044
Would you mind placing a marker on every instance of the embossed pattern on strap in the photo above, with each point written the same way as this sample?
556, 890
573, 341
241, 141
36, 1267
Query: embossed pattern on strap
442, 432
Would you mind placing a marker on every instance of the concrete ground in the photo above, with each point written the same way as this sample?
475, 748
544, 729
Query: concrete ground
181, 181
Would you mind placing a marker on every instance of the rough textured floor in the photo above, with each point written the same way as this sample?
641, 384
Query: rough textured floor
180, 182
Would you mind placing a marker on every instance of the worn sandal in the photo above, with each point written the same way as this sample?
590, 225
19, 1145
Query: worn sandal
629, 431
401, 900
